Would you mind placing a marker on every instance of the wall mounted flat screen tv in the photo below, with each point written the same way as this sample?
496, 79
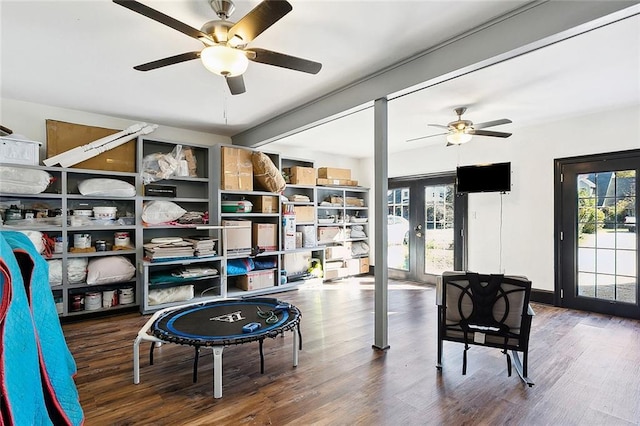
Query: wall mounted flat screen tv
484, 178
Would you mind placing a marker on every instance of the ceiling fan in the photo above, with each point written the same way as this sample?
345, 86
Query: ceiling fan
461, 131
225, 49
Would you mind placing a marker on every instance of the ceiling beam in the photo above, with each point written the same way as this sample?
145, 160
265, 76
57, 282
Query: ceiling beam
533, 26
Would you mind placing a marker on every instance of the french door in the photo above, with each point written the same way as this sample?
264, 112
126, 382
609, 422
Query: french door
424, 227
598, 244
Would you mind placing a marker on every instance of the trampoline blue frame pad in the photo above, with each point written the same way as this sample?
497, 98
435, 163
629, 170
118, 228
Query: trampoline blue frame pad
220, 322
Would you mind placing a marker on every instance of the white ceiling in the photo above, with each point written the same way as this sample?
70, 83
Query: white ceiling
79, 55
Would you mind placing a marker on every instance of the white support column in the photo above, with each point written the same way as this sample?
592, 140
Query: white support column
217, 371
380, 213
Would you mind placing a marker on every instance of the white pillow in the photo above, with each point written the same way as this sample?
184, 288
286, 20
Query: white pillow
105, 187
161, 211
55, 272
16, 180
36, 239
109, 269
77, 269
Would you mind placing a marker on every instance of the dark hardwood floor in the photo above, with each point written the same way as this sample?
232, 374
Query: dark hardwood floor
586, 369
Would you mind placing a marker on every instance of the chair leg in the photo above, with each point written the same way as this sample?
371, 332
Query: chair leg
439, 363
520, 369
464, 359
508, 362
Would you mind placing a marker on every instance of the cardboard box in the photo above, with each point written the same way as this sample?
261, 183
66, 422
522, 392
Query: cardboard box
334, 173
331, 274
155, 190
237, 169
354, 202
353, 266
21, 151
265, 203
329, 265
336, 182
289, 232
327, 233
301, 175
238, 240
364, 265
304, 214
62, 137
337, 252
265, 236
257, 279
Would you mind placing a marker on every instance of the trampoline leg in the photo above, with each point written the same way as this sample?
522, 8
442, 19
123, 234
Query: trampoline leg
153, 346
217, 371
296, 341
261, 357
136, 360
195, 364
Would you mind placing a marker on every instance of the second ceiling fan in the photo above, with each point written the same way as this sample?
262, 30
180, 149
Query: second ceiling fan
461, 131
225, 49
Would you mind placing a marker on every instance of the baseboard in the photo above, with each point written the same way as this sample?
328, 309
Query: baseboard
542, 296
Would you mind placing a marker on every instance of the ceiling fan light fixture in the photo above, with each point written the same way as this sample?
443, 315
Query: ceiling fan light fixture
224, 60
458, 138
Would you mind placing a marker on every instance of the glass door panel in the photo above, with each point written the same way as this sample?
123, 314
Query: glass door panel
599, 209
438, 228
398, 229
425, 220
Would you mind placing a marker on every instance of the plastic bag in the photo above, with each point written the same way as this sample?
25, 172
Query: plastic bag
158, 166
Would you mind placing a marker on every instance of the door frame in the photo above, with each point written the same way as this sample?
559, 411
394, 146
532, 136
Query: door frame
560, 261
416, 183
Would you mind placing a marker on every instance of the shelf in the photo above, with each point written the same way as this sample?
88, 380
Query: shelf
101, 253
96, 287
185, 281
111, 309
182, 261
248, 215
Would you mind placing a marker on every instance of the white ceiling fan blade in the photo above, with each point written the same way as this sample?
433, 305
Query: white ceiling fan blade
425, 137
491, 123
439, 125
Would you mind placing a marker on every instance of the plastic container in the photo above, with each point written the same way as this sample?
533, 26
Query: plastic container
104, 212
82, 241
109, 298
121, 239
242, 206
92, 301
127, 295
82, 212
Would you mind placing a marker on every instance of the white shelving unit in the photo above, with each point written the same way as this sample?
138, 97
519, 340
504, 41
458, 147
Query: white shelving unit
61, 198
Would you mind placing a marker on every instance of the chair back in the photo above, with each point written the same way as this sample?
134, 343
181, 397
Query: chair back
487, 303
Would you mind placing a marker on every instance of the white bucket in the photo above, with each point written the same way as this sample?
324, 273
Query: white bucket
104, 212
109, 298
92, 301
121, 239
82, 241
126, 295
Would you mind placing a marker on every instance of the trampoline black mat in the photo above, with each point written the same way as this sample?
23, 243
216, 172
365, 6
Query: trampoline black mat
220, 322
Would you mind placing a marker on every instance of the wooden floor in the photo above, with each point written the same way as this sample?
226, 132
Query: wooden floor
586, 369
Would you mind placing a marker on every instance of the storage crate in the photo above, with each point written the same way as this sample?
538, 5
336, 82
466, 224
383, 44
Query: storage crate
19, 151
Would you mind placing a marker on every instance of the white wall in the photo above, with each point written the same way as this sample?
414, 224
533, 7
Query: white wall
521, 240
321, 159
28, 119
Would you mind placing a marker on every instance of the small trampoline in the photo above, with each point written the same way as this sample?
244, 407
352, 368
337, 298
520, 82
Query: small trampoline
220, 323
